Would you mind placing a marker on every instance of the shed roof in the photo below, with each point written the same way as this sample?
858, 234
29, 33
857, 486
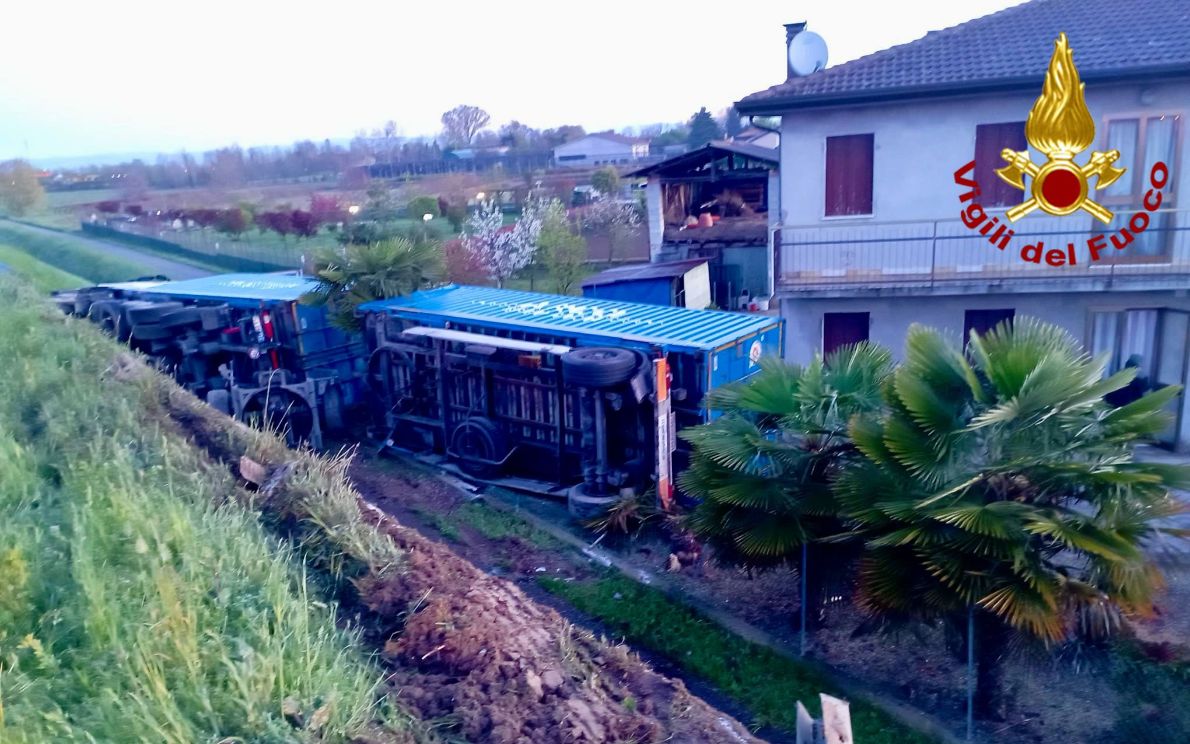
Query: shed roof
1007, 50
676, 328
636, 272
267, 287
708, 152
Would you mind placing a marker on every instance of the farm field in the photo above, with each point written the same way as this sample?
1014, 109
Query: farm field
293, 613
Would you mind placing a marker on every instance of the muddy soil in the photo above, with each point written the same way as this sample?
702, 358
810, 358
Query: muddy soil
470, 652
1048, 699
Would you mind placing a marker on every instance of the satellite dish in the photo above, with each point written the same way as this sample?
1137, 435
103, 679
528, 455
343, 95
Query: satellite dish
807, 53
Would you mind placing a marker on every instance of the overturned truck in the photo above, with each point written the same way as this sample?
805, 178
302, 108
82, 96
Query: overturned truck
242, 342
567, 393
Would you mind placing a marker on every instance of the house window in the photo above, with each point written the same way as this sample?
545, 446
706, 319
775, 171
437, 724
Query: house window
849, 175
572, 157
982, 321
1142, 142
990, 141
842, 329
1124, 335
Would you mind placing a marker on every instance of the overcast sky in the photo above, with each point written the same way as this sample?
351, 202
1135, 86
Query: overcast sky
79, 78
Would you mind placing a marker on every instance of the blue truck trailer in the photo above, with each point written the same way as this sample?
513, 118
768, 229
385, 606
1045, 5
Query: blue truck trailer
580, 392
242, 342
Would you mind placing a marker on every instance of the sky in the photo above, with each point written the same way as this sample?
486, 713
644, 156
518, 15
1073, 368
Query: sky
124, 76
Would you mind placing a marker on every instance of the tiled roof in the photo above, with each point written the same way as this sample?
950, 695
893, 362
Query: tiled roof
1112, 40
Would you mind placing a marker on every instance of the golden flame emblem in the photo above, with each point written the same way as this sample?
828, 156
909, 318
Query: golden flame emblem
1060, 126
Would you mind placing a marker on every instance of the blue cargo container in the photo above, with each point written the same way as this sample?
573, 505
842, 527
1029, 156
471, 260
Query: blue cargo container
546, 386
706, 348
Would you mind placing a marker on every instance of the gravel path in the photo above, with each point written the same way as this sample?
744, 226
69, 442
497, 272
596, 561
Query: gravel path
154, 263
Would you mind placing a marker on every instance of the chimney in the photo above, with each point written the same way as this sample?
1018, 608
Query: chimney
791, 30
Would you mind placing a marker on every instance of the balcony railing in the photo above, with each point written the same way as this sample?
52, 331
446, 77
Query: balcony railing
947, 253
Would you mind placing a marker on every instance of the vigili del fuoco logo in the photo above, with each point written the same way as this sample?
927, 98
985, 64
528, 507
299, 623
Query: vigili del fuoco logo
1060, 127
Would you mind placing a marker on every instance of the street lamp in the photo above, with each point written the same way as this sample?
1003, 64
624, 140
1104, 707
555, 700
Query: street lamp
480, 196
353, 209
427, 217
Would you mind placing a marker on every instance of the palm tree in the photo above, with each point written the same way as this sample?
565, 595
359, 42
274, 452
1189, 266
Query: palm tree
351, 275
762, 470
1000, 492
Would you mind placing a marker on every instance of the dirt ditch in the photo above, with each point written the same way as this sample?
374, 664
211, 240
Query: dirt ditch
469, 652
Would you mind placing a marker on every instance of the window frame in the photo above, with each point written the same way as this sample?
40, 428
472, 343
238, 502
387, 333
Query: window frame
1133, 201
1020, 195
826, 171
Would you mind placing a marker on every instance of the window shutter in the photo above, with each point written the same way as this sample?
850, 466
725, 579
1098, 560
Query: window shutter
849, 175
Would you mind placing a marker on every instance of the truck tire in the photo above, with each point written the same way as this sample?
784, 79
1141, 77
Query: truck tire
475, 441
106, 314
585, 506
181, 317
599, 366
85, 297
215, 317
220, 400
151, 332
332, 408
151, 313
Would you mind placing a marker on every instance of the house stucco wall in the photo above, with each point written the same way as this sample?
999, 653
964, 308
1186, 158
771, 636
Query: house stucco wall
919, 144
890, 318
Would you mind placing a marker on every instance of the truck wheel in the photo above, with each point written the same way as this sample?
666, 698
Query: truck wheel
282, 412
475, 441
151, 313
584, 506
220, 400
151, 332
215, 317
181, 317
106, 314
598, 366
332, 408
85, 297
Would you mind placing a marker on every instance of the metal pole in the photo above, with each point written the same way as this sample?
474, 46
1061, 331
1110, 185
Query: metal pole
802, 607
970, 672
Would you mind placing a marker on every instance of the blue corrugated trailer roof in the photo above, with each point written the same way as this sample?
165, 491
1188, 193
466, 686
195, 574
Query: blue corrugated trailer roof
676, 328
265, 287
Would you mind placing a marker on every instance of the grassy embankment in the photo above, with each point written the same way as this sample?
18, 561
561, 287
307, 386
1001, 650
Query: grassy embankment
138, 600
42, 276
72, 256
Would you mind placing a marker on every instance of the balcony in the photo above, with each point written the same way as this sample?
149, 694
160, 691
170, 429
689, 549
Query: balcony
947, 257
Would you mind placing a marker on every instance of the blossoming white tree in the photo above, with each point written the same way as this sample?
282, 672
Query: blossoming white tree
618, 218
504, 250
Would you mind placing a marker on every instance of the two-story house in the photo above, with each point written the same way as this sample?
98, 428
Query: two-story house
874, 236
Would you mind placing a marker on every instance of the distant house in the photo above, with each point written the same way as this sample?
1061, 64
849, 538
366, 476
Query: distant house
601, 148
874, 236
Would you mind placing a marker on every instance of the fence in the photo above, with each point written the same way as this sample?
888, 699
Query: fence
926, 253
202, 245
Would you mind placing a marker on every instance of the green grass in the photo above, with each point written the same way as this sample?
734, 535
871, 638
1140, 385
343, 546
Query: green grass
42, 276
139, 602
71, 255
497, 525
764, 682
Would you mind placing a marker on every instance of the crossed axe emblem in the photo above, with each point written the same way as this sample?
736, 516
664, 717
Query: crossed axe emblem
1060, 186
